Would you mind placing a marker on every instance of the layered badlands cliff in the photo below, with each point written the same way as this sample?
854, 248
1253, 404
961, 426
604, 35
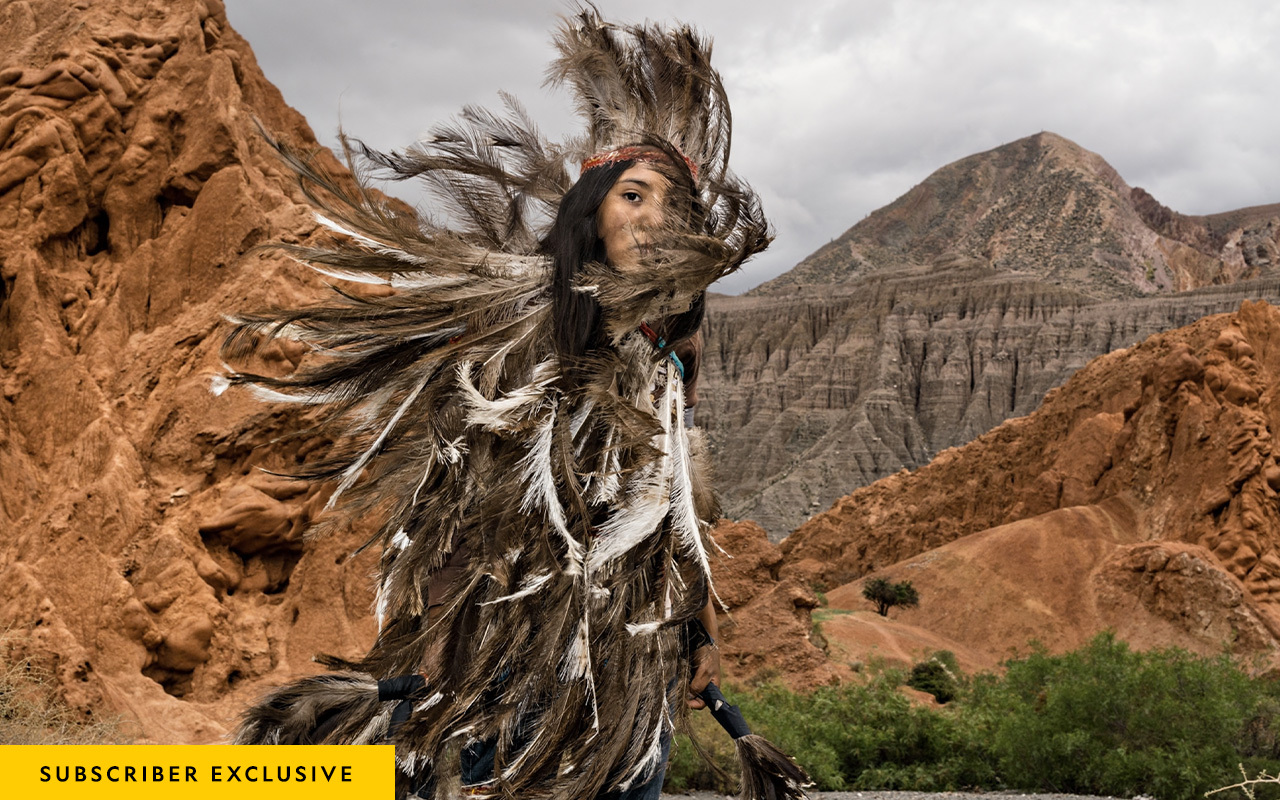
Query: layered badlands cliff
159, 573
951, 310
1141, 497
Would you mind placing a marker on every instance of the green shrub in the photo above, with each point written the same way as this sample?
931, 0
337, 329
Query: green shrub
1103, 720
1108, 720
688, 770
939, 675
846, 737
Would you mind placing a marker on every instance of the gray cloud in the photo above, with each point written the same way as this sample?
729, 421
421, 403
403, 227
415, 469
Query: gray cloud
839, 107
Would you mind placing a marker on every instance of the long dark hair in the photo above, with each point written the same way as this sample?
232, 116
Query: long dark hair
574, 240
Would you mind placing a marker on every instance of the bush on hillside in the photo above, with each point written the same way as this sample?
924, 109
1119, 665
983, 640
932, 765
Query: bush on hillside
853, 737
886, 595
1109, 720
939, 675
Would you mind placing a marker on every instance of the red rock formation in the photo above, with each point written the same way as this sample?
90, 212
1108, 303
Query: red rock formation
157, 570
1142, 496
768, 621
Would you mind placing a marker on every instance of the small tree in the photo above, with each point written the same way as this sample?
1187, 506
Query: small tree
886, 595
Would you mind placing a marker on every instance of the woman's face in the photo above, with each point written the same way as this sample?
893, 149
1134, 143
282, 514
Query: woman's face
631, 214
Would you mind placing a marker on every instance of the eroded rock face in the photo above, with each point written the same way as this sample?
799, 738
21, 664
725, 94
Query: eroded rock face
157, 570
1140, 497
768, 624
1177, 428
950, 310
810, 397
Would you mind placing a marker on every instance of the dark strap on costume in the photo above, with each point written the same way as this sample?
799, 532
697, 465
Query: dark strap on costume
405, 688
401, 687
727, 714
696, 636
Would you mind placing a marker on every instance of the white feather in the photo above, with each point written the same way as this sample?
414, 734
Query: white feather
540, 490
684, 515
401, 540
372, 244
463, 731
455, 450
648, 499
376, 727
579, 417
608, 486
644, 628
426, 473
301, 398
650, 759
218, 384
365, 416
398, 280
504, 413
346, 274
424, 280
429, 702
527, 587
351, 473
380, 605
577, 656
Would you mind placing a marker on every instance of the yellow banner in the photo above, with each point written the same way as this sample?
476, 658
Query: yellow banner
193, 772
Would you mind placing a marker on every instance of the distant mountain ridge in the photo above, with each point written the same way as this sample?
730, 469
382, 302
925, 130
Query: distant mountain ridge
950, 310
1046, 207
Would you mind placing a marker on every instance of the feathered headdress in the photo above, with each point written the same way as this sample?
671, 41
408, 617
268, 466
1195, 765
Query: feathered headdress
543, 540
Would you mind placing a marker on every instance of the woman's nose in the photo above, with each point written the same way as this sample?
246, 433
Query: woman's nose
647, 217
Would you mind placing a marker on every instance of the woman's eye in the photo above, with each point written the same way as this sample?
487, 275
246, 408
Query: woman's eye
631, 197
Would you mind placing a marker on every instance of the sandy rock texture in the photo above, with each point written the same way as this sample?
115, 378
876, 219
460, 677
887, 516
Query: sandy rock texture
952, 309
1141, 496
157, 570
769, 618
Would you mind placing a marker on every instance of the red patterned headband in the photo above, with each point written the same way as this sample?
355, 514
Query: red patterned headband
635, 152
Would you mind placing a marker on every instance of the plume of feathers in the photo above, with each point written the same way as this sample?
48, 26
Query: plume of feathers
767, 772
577, 511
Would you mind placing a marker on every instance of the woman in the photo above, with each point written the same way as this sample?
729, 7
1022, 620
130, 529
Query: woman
513, 416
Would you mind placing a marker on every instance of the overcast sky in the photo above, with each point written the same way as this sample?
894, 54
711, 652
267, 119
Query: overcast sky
839, 107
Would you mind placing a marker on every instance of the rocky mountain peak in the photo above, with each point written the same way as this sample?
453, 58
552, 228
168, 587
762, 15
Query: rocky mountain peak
952, 309
1041, 206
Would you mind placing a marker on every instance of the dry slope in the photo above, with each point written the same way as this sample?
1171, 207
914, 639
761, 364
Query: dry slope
1140, 497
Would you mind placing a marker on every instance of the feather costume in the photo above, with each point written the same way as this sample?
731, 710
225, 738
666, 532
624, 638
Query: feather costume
572, 489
